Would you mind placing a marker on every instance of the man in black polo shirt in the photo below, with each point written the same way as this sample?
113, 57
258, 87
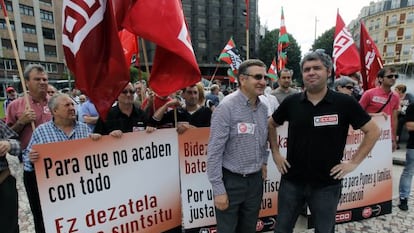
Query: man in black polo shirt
312, 171
124, 117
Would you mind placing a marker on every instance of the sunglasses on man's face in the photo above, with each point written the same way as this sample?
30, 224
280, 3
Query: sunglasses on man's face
258, 77
126, 91
349, 87
390, 76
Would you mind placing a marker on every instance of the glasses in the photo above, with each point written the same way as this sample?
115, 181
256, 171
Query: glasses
258, 77
51, 92
349, 87
126, 91
390, 76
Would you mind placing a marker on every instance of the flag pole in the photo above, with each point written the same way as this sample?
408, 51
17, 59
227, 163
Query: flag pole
247, 30
16, 56
214, 75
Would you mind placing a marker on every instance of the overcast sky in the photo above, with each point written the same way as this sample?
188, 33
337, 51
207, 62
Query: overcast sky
300, 16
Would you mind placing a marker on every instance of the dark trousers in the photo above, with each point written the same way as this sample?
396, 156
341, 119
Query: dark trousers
9, 206
32, 191
245, 196
322, 202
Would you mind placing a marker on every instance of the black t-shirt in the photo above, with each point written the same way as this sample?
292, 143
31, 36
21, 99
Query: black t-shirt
200, 118
317, 134
116, 120
409, 116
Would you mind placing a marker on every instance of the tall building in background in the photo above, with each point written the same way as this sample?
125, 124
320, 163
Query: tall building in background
37, 28
390, 23
211, 24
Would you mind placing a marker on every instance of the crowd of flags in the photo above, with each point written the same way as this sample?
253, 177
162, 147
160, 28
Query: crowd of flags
100, 41
348, 60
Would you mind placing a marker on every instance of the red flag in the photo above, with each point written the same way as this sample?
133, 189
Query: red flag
345, 53
121, 8
371, 61
93, 51
130, 45
162, 22
247, 14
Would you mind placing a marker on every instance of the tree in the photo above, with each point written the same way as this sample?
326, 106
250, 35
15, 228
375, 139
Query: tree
268, 50
325, 41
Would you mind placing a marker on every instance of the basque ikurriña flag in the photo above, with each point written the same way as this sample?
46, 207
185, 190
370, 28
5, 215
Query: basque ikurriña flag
93, 51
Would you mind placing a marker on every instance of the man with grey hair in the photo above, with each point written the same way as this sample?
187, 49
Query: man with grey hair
312, 171
20, 116
237, 155
345, 85
63, 127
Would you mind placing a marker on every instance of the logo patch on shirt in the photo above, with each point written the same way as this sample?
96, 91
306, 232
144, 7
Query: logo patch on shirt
325, 120
379, 99
245, 128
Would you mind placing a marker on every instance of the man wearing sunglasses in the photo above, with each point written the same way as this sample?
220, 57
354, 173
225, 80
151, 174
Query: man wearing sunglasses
237, 155
345, 85
383, 100
124, 116
312, 170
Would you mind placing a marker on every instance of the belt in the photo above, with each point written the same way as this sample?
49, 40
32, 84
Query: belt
4, 174
225, 170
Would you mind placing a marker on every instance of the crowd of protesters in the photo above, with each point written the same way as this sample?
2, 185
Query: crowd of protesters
137, 108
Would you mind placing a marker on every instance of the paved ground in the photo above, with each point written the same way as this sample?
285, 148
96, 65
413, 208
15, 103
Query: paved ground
396, 222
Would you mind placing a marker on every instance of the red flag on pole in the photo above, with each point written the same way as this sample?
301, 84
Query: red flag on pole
345, 53
162, 22
371, 61
130, 46
93, 51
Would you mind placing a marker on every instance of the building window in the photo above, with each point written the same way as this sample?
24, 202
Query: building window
410, 17
3, 24
390, 51
26, 10
46, 16
406, 49
377, 23
392, 35
50, 51
395, 4
410, 3
46, 2
6, 44
50, 67
408, 33
48, 33
8, 64
9, 6
393, 21
30, 47
27, 28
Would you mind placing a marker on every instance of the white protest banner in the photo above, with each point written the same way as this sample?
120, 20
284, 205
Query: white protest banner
113, 185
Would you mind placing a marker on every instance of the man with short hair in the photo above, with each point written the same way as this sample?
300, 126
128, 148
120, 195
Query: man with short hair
284, 81
237, 155
312, 170
19, 116
383, 100
191, 115
62, 127
124, 116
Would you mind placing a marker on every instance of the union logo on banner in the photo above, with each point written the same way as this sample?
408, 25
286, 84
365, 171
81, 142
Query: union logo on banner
79, 19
